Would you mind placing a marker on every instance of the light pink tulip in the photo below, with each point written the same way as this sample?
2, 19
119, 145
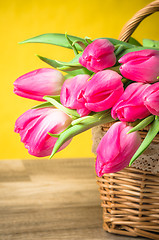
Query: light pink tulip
116, 149
151, 99
141, 66
70, 91
102, 91
34, 125
38, 83
98, 55
130, 105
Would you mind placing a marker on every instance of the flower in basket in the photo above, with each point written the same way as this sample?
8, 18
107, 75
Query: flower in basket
102, 91
130, 105
70, 91
107, 81
112, 156
34, 126
98, 55
38, 83
151, 99
140, 66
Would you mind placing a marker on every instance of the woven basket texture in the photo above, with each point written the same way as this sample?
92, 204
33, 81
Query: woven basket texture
130, 201
130, 198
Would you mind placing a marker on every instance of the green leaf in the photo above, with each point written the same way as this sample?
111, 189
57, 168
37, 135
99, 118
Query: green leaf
64, 66
71, 44
82, 45
69, 68
118, 42
72, 113
79, 128
150, 43
51, 62
142, 124
55, 39
154, 129
88, 40
42, 105
134, 41
48, 104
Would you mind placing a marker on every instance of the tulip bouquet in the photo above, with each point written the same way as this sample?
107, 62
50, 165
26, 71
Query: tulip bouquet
108, 80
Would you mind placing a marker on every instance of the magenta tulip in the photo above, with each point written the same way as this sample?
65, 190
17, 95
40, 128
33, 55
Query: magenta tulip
34, 125
141, 66
98, 55
102, 91
70, 91
130, 105
38, 83
116, 149
151, 99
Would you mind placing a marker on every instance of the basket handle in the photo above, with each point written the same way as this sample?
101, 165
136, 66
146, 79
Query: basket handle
133, 23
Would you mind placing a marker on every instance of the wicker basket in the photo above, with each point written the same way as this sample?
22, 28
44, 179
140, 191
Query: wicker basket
130, 198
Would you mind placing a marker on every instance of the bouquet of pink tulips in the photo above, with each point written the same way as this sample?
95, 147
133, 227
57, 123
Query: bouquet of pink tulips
108, 80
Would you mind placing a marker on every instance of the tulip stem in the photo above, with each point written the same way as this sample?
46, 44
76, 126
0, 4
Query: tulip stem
79, 128
118, 49
79, 120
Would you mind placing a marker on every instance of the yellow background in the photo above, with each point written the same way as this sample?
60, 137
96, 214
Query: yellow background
20, 20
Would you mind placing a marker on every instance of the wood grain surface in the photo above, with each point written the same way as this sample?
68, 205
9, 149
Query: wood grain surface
51, 200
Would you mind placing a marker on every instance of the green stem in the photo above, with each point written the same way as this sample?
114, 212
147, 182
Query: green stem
79, 128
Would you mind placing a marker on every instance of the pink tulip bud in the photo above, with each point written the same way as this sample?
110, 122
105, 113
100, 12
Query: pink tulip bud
151, 99
70, 91
141, 66
98, 55
116, 149
34, 125
38, 83
102, 91
130, 105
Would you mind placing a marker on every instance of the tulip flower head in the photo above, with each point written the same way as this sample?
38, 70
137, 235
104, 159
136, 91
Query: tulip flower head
70, 91
98, 55
34, 125
116, 149
102, 91
141, 66
151, 99
38, 83
130, 105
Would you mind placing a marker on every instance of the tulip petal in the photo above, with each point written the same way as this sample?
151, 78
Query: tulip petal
34, 125
116, 149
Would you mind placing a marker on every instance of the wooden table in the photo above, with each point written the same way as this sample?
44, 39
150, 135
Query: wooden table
51, 200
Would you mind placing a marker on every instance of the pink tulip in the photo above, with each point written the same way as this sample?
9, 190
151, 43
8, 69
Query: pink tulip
70, 91
38, 83
102, 91
116, 149
141, 66
130, 105
34, 125
151, 99
98, 55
